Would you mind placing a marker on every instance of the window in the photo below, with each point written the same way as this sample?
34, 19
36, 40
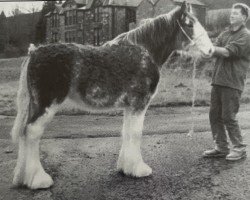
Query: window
66, 37
55, 20
66, 18
54, 37
50, 19
58, 21
79, 37
80, 17
97, 14
74, 17
70, 20
130, 17
96, 37
73, 36
70, 17
70, 36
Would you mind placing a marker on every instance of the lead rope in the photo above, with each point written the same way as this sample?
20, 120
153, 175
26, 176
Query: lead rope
191, 131
194, 85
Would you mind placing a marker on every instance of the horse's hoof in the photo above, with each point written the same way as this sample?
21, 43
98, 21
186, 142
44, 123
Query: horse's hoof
138, 170
18, 177
41, 180
142, 170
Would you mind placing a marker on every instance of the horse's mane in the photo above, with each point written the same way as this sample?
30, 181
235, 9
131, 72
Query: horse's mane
152, 32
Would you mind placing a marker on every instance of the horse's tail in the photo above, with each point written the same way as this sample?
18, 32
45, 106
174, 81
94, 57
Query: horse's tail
23, 101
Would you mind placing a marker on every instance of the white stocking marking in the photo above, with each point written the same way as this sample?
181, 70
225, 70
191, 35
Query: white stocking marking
29, 170
130, 160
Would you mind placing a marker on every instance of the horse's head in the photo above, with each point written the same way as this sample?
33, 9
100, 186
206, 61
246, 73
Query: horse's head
191, 32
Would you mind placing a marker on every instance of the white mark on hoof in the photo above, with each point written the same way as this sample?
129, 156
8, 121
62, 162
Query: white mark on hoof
18, 177
33, 179
41, 180
132, 165
138, 170
142, 170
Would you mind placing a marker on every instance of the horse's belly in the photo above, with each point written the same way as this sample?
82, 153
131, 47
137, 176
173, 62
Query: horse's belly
99, 99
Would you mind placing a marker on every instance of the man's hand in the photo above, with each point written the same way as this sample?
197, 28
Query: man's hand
219, 52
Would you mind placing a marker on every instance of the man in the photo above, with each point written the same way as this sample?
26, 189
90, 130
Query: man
232, 52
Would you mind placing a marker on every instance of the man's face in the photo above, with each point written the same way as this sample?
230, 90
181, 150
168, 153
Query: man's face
236, 17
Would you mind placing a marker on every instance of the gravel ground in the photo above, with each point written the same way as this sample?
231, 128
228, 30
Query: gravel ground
83, 165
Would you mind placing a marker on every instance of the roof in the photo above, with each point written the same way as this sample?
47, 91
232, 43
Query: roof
58, 8
81, 2
153, 1
89, 4
129, 3
194, 2
78, 2
82, 8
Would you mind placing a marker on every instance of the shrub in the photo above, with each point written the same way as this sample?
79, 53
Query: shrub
11, 51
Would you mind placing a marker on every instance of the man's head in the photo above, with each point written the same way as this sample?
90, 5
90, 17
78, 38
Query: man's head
239, 14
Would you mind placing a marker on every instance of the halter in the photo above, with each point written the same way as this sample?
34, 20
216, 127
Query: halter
193, 42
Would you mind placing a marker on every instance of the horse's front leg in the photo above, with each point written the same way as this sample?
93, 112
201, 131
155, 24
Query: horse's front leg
130, 160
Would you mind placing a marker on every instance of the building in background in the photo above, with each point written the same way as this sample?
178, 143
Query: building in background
97, 21
90, 22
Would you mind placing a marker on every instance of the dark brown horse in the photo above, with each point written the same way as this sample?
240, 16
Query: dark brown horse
122, 74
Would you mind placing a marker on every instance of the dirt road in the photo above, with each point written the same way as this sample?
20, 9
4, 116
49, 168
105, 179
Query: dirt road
80, 153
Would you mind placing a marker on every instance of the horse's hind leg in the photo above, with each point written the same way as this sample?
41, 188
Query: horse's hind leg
29, 170
130, 161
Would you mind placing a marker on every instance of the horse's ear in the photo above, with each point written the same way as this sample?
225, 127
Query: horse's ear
184, 6
189, 8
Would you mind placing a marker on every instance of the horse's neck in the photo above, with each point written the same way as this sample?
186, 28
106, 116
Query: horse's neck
161, 53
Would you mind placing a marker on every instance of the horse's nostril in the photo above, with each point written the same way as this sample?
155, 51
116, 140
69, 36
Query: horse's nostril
210, 51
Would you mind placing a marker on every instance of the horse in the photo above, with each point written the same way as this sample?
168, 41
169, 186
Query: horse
121, 74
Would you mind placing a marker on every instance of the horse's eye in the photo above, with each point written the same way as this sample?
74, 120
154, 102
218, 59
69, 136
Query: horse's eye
190, 25
188, 22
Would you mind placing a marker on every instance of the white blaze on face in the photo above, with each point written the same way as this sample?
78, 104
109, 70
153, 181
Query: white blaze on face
202, 41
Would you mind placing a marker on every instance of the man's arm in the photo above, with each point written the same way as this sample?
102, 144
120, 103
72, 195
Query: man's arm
221, 52
218, 51
236, 48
